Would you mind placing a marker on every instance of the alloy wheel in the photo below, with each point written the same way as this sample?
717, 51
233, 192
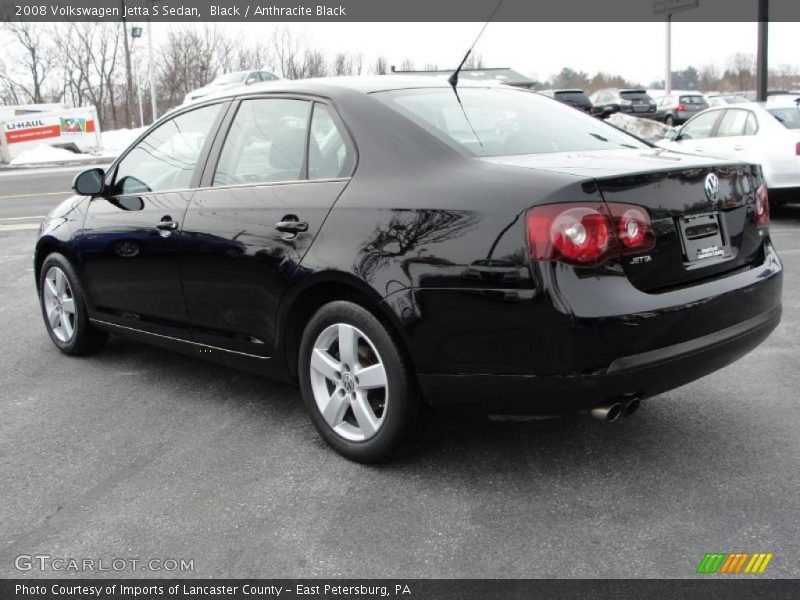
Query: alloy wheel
349, 382
59, 304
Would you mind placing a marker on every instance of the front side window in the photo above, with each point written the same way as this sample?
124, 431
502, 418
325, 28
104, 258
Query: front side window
328, 153
166, 159
266, 142
502, 121
700, 127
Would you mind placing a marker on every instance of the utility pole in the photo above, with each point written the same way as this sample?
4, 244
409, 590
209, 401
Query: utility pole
762, 70
150, 66
128, 70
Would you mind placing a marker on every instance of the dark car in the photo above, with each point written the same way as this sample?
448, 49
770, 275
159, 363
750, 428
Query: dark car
389, 244
635, 102
679, 108
574, 98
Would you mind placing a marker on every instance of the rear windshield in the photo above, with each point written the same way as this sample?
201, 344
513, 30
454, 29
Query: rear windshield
692, 100
502, 121
635, 95
789, 117
574, 97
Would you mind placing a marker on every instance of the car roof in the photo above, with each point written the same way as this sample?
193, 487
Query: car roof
364, 84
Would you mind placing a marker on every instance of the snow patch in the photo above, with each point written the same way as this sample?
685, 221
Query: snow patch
117, 140
46, 154
644, 128
113, 142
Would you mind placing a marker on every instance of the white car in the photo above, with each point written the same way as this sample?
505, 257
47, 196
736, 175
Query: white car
763, 133
229, 80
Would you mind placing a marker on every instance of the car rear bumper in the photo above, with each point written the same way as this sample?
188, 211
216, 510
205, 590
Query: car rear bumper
639, 375
577, 340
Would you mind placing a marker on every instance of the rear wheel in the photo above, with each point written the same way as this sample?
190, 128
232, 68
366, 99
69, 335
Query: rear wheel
355, 382
669, 121
64, 309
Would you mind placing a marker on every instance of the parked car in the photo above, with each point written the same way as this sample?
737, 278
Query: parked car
678, 108
229, 80
635, 102
751, 132
725, 99
574, 98
549, 265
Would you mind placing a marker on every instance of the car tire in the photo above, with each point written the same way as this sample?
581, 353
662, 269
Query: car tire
63, 304
356, 383
669, 121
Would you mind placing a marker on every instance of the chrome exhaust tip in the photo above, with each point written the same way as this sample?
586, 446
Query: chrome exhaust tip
631, 407
607, 413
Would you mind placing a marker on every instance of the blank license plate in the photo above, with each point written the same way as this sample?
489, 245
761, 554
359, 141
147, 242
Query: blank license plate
701, 236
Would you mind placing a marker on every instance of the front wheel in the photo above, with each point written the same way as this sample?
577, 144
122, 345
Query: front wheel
355, 382
64, 309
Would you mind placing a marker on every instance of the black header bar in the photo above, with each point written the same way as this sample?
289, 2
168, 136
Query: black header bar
394, 10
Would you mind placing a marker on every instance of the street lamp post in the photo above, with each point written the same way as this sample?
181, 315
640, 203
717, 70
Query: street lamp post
150, 68
136, 33
669, 8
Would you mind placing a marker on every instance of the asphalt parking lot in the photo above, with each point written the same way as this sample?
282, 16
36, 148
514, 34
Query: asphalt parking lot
140, 453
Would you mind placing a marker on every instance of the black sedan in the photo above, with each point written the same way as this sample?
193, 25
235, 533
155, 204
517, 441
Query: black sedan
391, 244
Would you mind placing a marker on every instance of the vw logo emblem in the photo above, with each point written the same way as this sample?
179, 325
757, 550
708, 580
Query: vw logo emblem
712, 187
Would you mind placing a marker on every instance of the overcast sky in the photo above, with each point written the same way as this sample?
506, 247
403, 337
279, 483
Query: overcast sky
634, 50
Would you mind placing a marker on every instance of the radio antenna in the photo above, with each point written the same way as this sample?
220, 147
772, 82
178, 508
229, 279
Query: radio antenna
453, 79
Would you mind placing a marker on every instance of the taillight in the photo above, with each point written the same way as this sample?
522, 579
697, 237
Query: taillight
762, 206
587, 233
797, 149
682, 107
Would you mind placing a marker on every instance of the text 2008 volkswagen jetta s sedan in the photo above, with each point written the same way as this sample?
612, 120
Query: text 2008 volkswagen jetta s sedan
389, 242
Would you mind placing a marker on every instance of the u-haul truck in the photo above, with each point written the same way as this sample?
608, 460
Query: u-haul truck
69, 128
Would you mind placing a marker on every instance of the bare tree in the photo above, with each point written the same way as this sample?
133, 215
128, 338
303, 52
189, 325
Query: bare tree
37, 58
287, 54
314, 64
381, 66
342, 64
741, 71
475, 61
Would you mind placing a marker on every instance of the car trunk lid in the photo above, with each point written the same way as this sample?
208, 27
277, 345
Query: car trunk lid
702, 209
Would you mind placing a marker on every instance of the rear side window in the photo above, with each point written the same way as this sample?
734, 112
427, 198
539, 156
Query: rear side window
266, 142
167, 157
329, 155
733, 123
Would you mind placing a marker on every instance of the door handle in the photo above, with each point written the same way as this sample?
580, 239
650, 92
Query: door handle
698, 149
738, 148
167, 224
291, 226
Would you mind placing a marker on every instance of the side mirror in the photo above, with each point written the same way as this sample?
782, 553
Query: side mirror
89, 183
671, 134
251, 79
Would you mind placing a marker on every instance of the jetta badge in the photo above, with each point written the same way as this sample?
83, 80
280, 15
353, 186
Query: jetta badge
712, 187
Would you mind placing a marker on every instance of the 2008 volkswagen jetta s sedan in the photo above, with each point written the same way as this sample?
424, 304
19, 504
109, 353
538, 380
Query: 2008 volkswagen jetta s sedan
392, 243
